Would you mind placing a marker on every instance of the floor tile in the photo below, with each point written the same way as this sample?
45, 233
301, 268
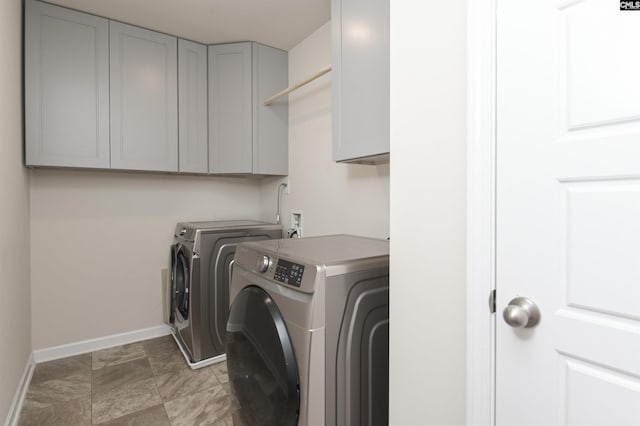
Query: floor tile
175, 384
154, 416
117, 355
117, 376
56, 391
220, 371
204, 408
167, 362
71, 413
145, 383
227, 421
161, 345
125, 400
61, 368
227, 388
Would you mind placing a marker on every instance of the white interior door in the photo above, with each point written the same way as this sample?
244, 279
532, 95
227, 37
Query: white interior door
568, 212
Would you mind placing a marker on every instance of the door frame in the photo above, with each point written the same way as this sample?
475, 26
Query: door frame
481, 214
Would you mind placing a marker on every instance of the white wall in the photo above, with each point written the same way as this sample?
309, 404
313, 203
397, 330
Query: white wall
100, 239
15, 303
334, 198
428, 163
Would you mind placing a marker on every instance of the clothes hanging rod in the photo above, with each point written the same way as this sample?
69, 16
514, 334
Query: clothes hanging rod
297, 85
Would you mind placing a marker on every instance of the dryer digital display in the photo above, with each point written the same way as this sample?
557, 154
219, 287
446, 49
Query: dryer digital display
289, 273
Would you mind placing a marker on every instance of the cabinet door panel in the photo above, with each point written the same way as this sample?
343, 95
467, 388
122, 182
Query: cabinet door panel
361, 78
66, 87
144, 102
230, 121
271, 122
192, 107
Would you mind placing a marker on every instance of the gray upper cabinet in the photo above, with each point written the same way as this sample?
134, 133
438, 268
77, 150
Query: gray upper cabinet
245, 136
360, 37
230, 112
66, 87
144, 99
192, 107
270, 123
104, 94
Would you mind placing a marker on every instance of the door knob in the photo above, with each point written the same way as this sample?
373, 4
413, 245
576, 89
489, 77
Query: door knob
522, 312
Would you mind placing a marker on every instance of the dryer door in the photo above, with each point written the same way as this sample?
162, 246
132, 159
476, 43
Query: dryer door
182, 282
260, 360
171, 297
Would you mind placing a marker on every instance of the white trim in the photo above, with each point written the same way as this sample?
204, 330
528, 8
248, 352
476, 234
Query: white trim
481, 118
77, 348
18, 399
200, 364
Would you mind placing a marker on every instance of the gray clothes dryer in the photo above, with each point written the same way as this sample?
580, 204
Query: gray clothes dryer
307, 338
201, 264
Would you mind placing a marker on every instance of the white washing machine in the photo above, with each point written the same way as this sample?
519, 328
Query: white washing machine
307, 338
201, 263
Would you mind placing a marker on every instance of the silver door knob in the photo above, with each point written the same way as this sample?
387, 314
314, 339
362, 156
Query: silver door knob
522, 312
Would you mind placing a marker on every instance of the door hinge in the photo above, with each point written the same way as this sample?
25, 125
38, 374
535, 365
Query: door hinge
492, 301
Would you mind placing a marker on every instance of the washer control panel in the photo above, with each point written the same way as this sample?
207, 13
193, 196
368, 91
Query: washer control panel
289, 273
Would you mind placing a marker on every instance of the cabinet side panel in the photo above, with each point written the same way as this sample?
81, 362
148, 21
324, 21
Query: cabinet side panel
271, 122
361, 44
336, 81
66, 87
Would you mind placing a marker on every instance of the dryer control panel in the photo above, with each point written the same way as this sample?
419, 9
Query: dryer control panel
289, 272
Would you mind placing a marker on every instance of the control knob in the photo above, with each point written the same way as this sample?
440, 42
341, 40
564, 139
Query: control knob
263, 263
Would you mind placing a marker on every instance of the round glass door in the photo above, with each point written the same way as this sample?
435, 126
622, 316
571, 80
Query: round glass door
172, 285
263, 373
182, 283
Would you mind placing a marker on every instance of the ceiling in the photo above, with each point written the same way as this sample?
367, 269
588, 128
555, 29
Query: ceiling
278, 23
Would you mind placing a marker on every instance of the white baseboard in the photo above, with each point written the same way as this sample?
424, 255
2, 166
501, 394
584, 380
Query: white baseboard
77, 348
21, 392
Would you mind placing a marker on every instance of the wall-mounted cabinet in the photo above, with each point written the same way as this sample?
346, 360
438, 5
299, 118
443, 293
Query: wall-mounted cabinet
103, 94
360, 38
66, 87
246, 136
192, 107
230, 112
144, 99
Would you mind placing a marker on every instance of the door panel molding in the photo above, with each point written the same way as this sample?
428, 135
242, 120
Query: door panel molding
481, 189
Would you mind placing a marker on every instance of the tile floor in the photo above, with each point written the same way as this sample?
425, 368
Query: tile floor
144, 383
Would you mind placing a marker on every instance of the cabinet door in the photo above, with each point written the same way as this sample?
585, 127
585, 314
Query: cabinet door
192, 107
144, 101
360, 79
271, 122
230, 121
66, 87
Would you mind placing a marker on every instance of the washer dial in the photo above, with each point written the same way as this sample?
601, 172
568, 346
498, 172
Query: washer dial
263, 263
